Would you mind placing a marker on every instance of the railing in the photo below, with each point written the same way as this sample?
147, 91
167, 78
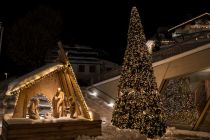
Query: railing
180, 47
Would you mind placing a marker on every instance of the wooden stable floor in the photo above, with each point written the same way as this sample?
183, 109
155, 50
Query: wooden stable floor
66, 130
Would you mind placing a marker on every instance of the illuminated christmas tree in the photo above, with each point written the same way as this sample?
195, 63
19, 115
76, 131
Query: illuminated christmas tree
178, 101
139, 105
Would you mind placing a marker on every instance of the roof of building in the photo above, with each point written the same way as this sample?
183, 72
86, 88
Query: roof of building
177, 26
76, 53
31, 78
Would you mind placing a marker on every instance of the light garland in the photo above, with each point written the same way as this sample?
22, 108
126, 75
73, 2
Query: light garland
178, 101
78, 91
35, 81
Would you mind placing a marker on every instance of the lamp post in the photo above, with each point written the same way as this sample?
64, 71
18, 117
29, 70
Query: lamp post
6, 75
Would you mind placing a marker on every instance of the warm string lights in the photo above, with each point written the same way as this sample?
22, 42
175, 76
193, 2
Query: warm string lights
34, 81
17, 90
139, 106
78, 90
178, 101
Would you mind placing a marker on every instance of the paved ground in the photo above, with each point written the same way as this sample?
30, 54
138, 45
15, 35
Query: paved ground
99, 106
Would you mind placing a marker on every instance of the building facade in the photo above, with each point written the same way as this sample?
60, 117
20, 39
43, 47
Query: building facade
197, 27
86, 62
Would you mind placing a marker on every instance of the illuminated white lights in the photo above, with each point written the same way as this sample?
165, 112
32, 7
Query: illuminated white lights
110, 104
104, 120
150, 44
93, 93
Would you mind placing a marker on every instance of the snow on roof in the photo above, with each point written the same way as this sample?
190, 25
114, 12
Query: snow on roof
27, 80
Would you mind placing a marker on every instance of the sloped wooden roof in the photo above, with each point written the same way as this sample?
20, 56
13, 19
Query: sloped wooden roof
177, 26
31, 78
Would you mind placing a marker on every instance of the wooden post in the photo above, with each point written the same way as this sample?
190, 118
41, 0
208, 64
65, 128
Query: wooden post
72, 79
25, 105
207, 88
19, 107
202, 115
72, 92
80, 98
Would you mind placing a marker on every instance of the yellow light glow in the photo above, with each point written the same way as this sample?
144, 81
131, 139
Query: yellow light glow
91, 115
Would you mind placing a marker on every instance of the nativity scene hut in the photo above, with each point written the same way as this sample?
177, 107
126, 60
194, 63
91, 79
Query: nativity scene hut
48, 82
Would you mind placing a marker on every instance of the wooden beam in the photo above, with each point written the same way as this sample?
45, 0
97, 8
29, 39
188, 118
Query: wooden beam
73, 80
72, 92
62, 55
65, 87
163, 85
202, 115
80, 98
25, 105
60, 79
19, 110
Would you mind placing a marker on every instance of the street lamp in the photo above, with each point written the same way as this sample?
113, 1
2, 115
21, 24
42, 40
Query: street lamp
6, 74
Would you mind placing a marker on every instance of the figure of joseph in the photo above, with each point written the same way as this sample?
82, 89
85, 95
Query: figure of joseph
58, 103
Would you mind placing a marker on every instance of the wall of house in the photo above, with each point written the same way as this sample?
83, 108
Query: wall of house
46, 87
87, 75
198, 26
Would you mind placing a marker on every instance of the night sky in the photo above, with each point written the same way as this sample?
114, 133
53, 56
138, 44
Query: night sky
103, 24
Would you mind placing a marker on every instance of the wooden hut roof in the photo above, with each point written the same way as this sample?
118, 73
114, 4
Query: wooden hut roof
31, 78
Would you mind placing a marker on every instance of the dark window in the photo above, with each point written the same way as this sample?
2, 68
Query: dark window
92, 68
108, 69
81, 68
